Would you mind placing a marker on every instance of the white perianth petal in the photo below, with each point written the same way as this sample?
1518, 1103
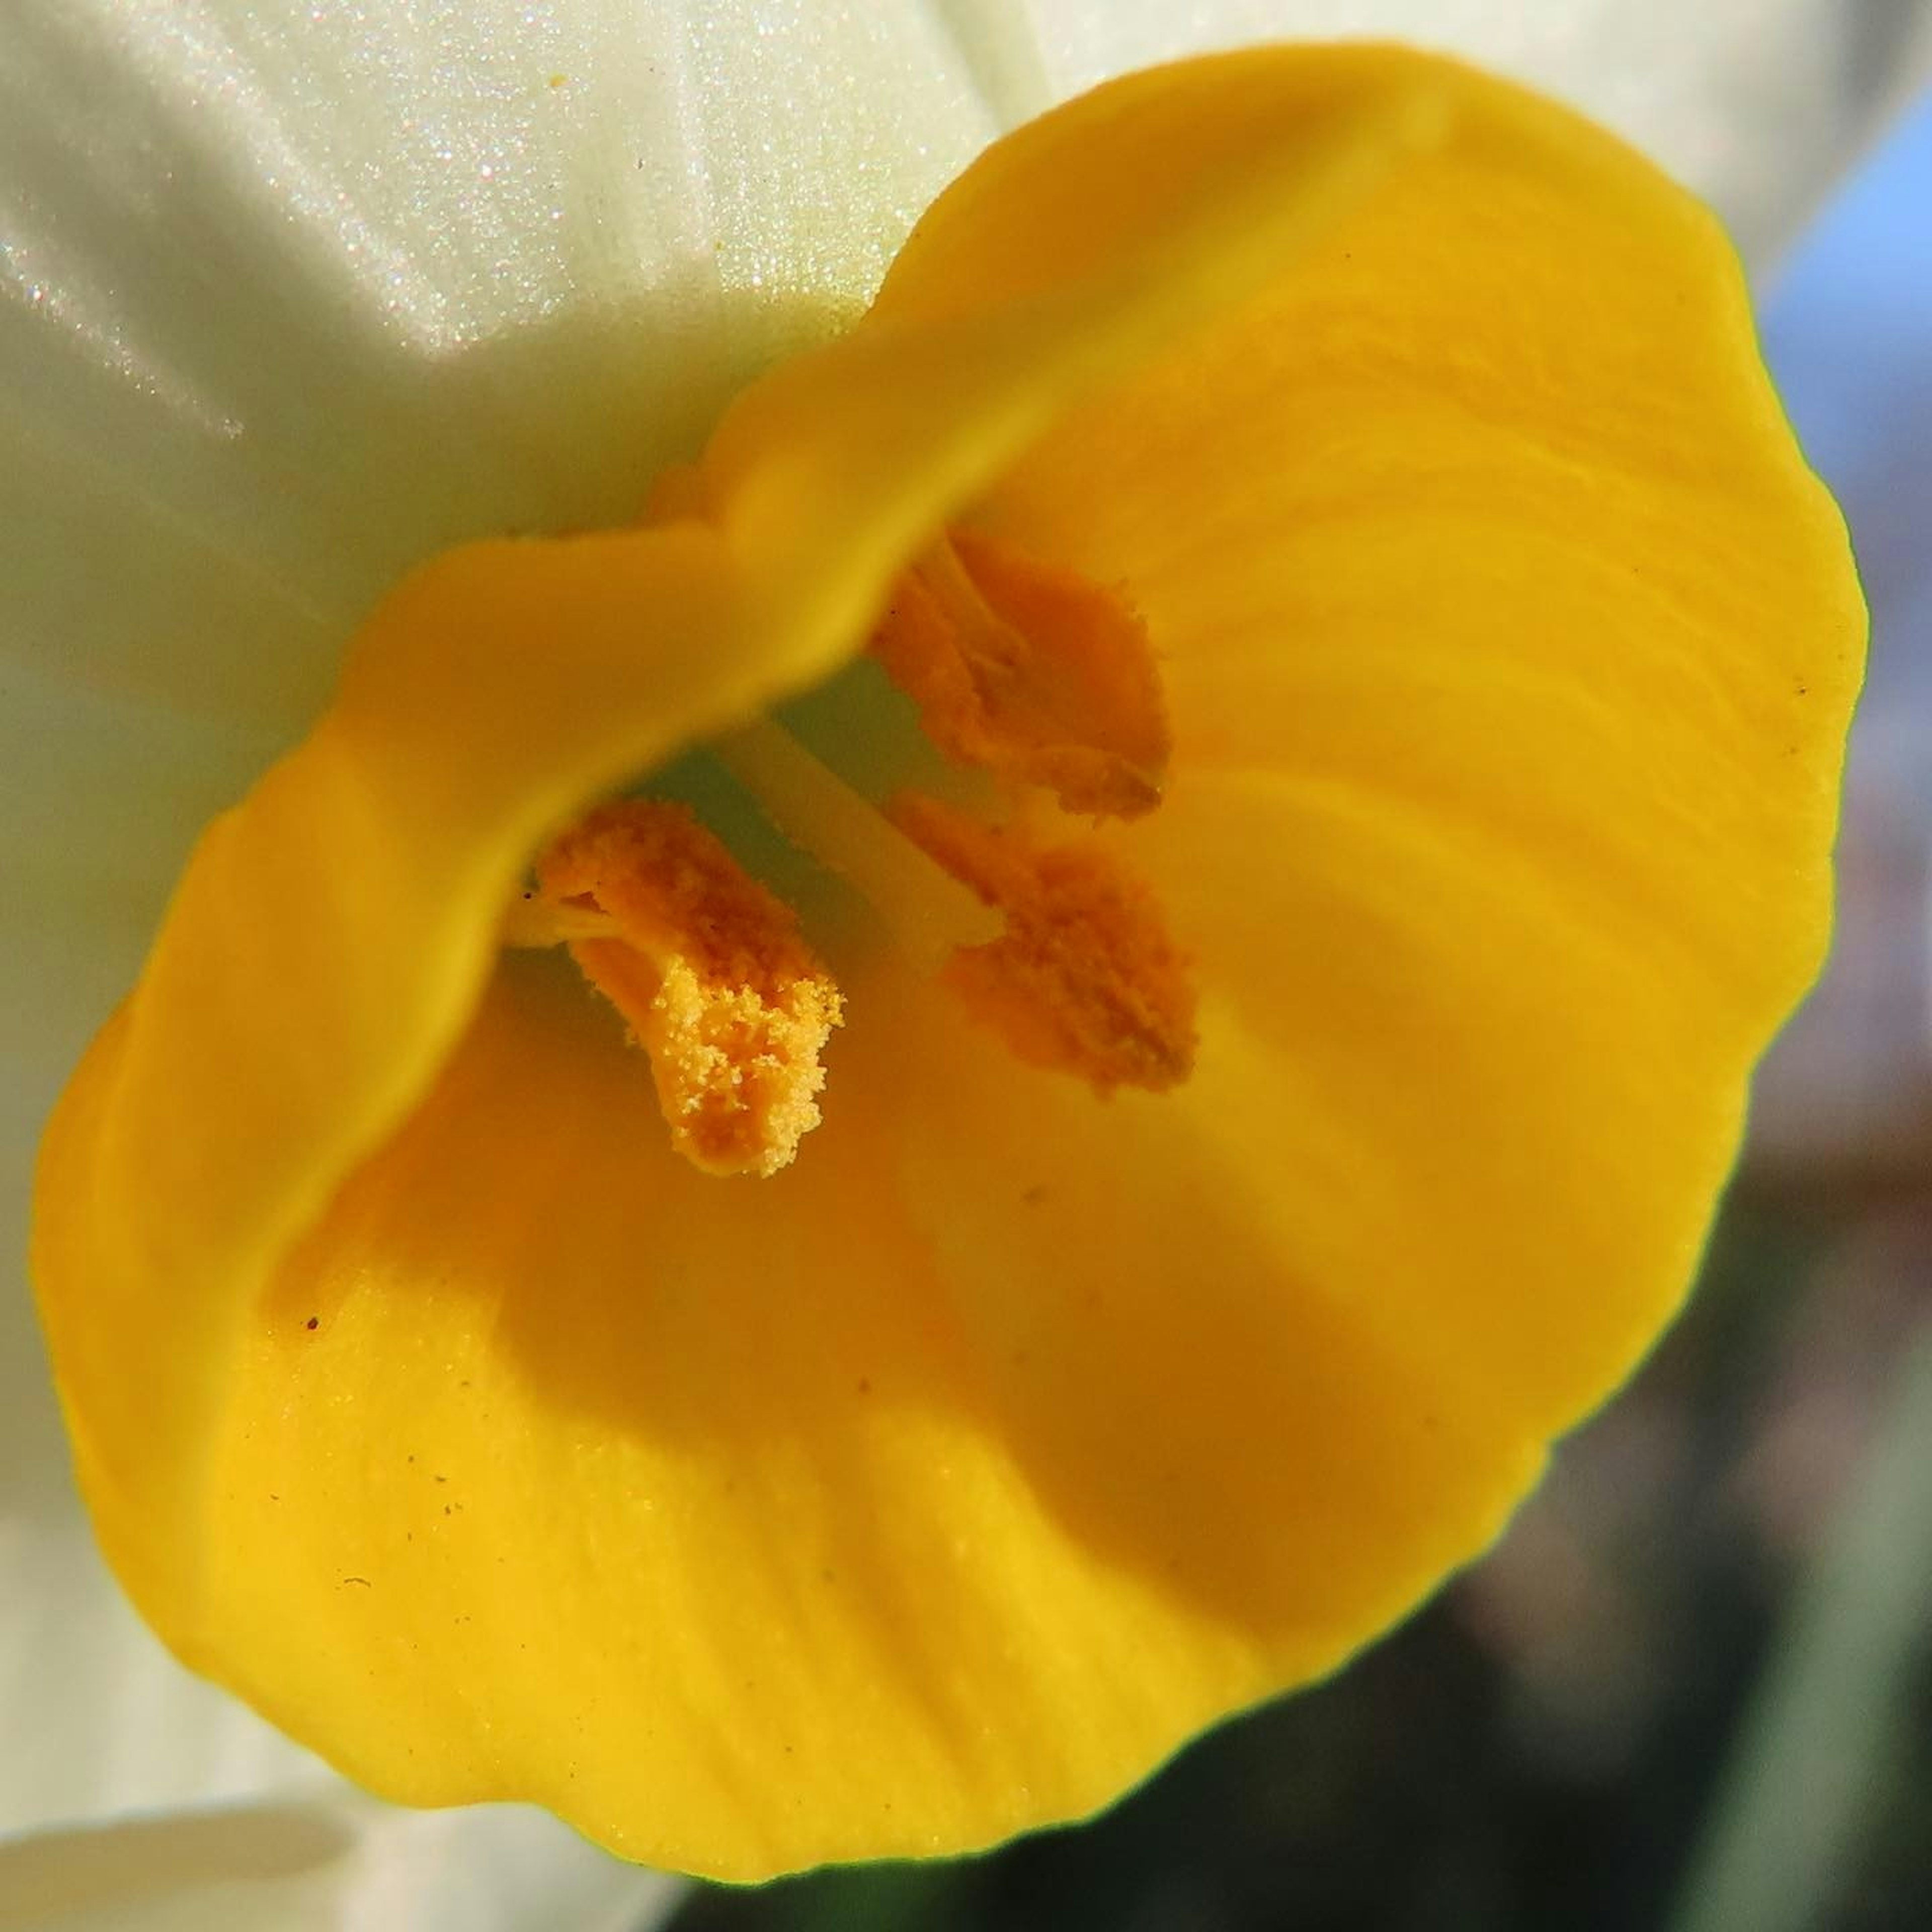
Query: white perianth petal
1758, 105
336, 1862
293, 291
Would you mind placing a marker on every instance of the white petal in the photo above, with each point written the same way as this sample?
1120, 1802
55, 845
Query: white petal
293, 294
336, 1865
1758, 104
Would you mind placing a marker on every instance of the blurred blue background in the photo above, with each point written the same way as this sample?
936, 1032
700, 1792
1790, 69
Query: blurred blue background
1690, 1689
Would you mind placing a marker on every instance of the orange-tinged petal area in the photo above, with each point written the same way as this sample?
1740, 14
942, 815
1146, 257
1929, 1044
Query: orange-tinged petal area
940, 1484
1086, 977
732, 1006
1034, 673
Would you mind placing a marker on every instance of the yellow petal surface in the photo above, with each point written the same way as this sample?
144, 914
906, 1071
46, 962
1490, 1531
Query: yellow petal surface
1500, 611
941, 1484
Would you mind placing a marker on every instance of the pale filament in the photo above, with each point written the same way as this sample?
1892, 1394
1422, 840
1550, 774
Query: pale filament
927, 913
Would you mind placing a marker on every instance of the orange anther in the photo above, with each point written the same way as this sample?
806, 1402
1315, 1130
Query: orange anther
1031, 671
1086, 978
708, 969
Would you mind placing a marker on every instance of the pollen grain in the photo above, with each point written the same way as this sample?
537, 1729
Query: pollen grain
710, 972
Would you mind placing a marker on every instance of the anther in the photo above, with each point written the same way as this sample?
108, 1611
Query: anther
709, 970
1030, 671
1086, 978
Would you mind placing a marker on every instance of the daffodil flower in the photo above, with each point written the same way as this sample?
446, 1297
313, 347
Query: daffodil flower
1267, 722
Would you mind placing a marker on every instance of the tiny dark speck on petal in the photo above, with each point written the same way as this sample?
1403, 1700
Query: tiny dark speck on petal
363, 1580
313, 1322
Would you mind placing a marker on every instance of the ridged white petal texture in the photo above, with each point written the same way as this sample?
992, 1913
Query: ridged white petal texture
294, 292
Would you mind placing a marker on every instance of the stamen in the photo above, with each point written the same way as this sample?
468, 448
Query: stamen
1023, 670
1030, 671
708, 969
927, 912
1086, 978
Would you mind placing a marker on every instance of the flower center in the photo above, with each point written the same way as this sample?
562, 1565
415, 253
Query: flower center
1025, 672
